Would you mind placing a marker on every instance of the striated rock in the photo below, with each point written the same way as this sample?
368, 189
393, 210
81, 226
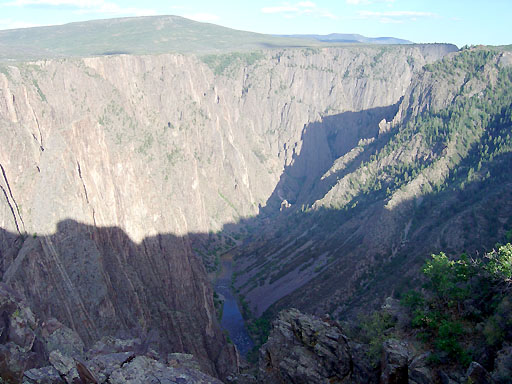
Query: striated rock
395, 362
305, 349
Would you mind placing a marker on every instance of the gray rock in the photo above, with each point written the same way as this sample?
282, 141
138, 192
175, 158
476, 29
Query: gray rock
143, 370
59, 337
395, 362
445, 378
419, 371
394, 308
109, 344
65, 365
45, 375
305, 349
102, 366
182, 360
14, 360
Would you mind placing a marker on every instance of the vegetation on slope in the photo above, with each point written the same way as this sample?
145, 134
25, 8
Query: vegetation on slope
464, 311
444, 169
136, 35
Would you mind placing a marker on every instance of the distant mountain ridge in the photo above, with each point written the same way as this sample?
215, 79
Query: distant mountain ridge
153, 35
351, 38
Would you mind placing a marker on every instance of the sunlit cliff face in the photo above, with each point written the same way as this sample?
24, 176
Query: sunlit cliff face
169, 144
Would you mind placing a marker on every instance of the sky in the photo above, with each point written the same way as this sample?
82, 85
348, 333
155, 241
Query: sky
461, 22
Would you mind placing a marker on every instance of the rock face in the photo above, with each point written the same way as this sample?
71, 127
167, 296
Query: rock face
108, 163
306, 349
33, 352
117, 285
395, 362
383, 197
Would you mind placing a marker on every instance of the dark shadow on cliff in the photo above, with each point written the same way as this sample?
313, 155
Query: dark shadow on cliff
360, 255
99, 282
324, 142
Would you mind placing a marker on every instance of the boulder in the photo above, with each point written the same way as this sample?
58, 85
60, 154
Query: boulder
395, 362
182, 360
14, 360
66, 366
142, 370
419, 371
102, 366
45, 375
57, 336
305, 349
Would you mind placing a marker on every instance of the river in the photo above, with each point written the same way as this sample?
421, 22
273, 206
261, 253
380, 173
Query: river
232, 320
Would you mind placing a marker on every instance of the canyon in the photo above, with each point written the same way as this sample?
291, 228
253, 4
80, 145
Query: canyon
124, 177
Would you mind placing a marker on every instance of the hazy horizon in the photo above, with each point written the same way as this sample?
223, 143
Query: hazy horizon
458, 22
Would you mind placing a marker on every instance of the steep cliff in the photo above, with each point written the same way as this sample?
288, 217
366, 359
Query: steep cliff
433, 177
108, 164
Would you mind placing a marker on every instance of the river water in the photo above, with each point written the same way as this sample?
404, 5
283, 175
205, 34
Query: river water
232, 320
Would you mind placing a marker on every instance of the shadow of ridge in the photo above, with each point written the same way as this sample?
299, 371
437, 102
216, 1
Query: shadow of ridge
99, 282
322, 144
374, 252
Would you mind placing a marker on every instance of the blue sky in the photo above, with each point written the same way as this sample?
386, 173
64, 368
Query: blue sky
455, 21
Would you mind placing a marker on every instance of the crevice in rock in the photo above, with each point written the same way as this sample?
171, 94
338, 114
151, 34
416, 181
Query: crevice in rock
12, 210
12, 197
41, 146
86, 195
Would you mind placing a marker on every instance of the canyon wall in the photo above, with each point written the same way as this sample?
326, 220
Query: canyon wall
108, 164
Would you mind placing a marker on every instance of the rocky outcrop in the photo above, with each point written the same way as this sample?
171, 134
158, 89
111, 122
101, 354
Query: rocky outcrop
107, 284
395, 362
306, 349
114, 368
33, 352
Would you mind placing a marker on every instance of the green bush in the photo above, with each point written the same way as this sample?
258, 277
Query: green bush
373, 331
499, 263
466, 305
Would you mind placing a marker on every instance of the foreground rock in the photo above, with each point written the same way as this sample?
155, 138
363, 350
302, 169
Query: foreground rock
35, 352
305, 349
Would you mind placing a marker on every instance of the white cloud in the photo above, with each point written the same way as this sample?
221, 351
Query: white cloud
87, 6
395, 17
301, 8
281, 9
204, 17
72, 3
11, 24
306, 4
360, 2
